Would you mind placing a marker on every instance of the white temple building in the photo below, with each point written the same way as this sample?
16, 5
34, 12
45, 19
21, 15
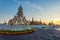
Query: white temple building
19, 19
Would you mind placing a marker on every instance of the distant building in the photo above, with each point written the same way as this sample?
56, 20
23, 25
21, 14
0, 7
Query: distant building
19, 18
40, 22
32, 19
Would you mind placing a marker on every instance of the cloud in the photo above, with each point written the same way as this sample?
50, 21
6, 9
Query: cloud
53, 12
34, 6
27, 2
37, 9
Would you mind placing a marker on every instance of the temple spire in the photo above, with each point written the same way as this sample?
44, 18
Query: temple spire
20, 11
20, 8
19, 19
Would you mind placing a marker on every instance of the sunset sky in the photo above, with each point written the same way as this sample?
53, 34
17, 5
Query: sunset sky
46, 10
